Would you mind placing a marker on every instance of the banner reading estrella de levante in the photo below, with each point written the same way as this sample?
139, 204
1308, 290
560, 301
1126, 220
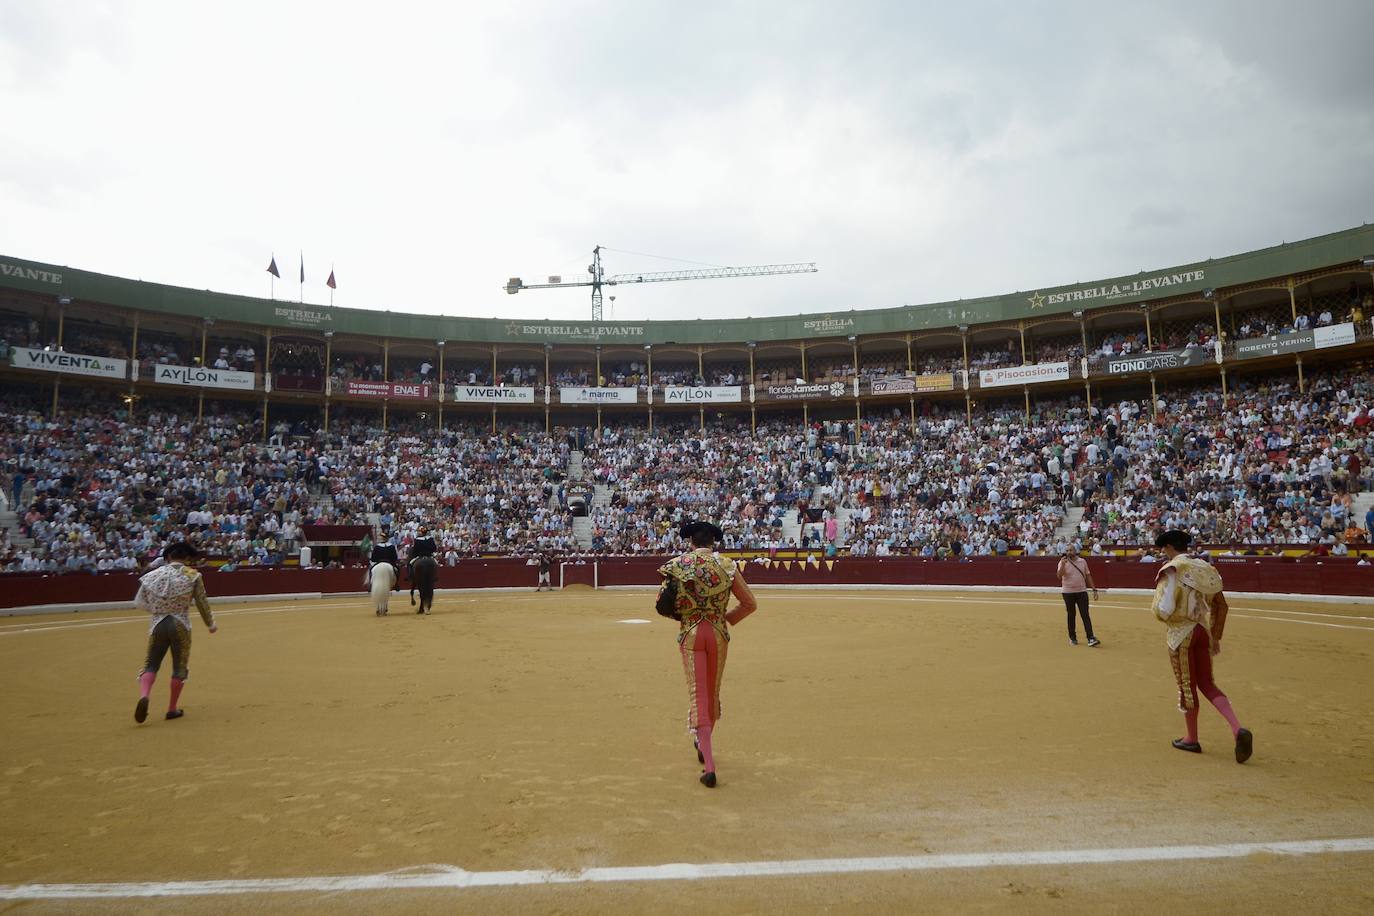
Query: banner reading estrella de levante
71, 363
1023, 375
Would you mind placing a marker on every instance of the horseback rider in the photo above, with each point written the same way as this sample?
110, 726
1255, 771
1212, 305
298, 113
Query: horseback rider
385, 552
423, 546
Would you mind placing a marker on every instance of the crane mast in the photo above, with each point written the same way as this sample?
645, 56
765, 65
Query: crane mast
598, 278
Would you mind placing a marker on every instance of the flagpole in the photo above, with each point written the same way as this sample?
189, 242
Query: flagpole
302, 278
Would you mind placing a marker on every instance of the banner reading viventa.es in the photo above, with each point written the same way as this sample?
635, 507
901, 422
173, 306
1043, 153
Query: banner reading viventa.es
73, 363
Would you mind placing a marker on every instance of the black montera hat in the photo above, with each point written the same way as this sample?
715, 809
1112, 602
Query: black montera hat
689, 530
1175, 538
180, 550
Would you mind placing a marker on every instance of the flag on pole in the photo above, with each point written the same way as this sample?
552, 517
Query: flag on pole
302, 267
272, 268
330, 282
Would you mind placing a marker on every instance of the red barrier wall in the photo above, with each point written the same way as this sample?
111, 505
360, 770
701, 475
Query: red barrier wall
1271, 574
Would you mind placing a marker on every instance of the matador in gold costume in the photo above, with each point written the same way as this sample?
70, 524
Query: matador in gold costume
704, 581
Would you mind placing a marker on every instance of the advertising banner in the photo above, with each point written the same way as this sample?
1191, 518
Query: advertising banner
1023, 375
204, 378
72, 363
598, 395
717, 394
940, 382
388, 389
1162, 359
492, 394
807, 392
1336, 335
1275, 344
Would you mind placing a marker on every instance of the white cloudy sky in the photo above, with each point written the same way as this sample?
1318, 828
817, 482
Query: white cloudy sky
918, 152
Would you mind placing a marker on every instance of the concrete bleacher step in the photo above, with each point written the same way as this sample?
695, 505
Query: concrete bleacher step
582, 532
1360, 504
601, 495
1068, 529
575, 465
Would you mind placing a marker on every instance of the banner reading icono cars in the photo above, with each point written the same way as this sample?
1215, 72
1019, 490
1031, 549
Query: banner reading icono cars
598, 395
1023, 375
1161, 359
707, 394
73, 363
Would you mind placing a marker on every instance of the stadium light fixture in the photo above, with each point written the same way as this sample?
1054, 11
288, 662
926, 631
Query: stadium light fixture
751, 344
963, 329
852, 338
328, 335
440, 343
64, 300
648, 347
1368, 261
1078, 314
1208, 293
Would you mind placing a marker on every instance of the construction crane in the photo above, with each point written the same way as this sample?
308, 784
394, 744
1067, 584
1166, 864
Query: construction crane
599, 278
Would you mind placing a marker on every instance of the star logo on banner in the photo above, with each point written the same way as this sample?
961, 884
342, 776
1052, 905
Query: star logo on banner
513, 329
1036, 301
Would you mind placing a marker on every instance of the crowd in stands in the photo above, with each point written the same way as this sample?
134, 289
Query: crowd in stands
95, 490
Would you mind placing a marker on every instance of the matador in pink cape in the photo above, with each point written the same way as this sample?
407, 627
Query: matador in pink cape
1189, 600
704, 583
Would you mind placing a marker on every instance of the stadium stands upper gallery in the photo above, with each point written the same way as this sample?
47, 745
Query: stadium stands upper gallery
1186, 317
1231, 397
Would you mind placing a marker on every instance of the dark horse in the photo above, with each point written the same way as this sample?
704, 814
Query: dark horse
424, 575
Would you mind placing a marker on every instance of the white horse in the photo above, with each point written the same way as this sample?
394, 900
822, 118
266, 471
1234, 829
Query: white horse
379, 581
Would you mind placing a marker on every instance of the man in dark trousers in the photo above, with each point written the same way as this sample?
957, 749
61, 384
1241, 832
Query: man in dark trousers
545, 567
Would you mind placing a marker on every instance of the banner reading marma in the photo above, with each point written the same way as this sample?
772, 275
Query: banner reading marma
492, 394
204, 378
598, 395
70, 363
1023, 375
711, 394
1161, 359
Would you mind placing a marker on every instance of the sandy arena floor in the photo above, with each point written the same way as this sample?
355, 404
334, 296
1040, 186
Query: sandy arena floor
519, 732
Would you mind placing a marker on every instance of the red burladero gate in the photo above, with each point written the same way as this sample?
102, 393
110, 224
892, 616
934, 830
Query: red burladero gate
1278, 575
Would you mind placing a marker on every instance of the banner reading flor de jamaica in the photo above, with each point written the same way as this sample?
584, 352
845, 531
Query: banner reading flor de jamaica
204, 378
598, 395
72, 363
807, 392
492, 394
712, 394
1160, 359
1023, 375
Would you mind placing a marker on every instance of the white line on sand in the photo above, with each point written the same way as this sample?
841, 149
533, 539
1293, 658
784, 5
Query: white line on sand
448, 876
43, 626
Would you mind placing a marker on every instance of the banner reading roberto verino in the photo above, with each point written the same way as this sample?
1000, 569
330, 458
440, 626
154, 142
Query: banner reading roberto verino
204, 378
492, 394
1023, 375
73, 363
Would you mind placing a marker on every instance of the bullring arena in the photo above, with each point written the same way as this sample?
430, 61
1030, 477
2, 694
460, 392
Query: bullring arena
905, 725
886, 750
